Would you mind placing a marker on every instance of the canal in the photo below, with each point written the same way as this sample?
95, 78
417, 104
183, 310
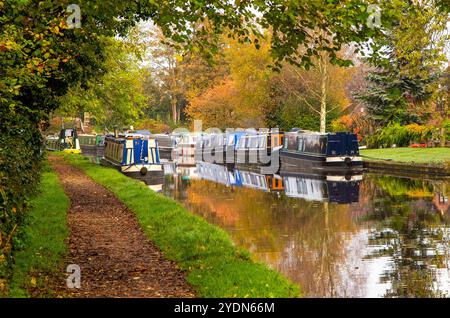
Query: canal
369, 236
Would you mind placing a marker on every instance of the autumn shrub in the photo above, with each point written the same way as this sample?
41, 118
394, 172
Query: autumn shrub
400, 136
154, 126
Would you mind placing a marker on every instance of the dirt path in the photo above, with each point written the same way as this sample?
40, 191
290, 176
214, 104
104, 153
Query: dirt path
106, 241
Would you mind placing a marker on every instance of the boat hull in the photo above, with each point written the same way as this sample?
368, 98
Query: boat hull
136, 170
293, 162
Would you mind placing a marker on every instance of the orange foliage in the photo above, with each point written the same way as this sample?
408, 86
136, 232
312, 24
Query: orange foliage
217, 107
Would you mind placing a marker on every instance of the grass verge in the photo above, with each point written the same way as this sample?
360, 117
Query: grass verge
417, 155
40, 245
214, 266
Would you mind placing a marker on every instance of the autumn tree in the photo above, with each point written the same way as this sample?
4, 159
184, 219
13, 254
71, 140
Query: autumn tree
407, 81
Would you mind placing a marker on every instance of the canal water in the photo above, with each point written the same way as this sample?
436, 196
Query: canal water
370, 235
367, 235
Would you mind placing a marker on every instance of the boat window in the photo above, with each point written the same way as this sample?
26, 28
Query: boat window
262, 141
274, 141
312, 144
292, 143
323, 144
242, 142
253, 142
300, 144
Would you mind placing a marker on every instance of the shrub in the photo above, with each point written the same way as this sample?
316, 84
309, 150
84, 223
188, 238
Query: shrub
20, 163
154, 126
401, 136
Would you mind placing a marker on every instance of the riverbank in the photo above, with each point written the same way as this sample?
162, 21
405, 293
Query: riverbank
40, 247
214, 266
428, 161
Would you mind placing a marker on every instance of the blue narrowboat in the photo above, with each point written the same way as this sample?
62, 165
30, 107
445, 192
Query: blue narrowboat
133, 154
320, 151
325, 188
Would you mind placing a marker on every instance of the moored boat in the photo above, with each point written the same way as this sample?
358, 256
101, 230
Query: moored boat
133, 154
320, 151
66, 141
258, 147
184, 148
92, 145
165, 146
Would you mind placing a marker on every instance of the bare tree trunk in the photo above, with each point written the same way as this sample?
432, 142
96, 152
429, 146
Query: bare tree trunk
323, 96
81, 125
174, 109
442, 137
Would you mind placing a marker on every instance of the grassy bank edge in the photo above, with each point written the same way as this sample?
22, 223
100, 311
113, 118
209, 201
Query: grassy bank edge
40, 246
214, 266
434, 156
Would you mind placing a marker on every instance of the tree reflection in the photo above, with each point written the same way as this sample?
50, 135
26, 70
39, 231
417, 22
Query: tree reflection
413, 233
304, 240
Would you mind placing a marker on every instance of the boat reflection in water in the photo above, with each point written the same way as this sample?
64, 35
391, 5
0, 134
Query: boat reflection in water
331, 188
154, 183
311, 187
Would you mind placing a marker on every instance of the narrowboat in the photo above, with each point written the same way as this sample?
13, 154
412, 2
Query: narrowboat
92, 145
184, 148
133, 154
258, 147
339, 189
320, 151
67, 141
211, 147
165, 146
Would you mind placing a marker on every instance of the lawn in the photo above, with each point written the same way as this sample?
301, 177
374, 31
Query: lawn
417, 155
40, 246
215, 266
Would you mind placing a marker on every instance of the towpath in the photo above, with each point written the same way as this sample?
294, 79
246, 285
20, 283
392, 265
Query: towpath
115, 256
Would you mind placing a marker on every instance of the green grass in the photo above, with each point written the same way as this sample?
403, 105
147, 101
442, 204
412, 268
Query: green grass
40, 245
417, 155
214, 266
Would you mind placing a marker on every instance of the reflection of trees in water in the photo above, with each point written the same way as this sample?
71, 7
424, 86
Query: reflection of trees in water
413, 233
304, 240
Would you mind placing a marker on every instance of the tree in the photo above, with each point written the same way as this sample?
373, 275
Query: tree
218, 107
180, 75
243, 92
115, 99
407, 80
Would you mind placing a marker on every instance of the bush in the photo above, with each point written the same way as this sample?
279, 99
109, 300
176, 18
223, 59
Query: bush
154, 126
20, 164
401, 136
